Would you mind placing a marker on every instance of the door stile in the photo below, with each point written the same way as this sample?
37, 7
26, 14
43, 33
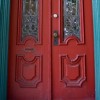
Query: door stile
50, 50
55, 20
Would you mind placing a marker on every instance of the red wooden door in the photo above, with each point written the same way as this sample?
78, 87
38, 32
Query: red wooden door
72, 57
51, 50
29, 51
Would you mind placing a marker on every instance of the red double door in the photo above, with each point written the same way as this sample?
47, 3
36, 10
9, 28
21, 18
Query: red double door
50, 65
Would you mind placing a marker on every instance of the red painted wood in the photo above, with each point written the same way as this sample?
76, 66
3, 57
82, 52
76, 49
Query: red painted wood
29, 75
44, 71
73, 59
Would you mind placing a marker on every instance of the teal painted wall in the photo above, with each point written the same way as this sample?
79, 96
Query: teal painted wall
96, 15
4, 28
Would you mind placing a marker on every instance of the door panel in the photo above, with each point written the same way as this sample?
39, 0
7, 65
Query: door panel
73, 63
29, 54
28, 57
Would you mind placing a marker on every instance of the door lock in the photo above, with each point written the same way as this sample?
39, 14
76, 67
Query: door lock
55, 34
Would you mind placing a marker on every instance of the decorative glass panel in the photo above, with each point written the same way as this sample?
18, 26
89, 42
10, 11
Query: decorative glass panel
30, 18
71, 18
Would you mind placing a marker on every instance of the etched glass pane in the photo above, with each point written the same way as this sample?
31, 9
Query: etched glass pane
30, 18
71, 18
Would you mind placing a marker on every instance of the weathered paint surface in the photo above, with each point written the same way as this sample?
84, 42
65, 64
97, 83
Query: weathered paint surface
4, 24
96, 14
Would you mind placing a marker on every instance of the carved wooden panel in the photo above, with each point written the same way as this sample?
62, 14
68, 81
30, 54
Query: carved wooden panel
28, 73
28, 36
73, 71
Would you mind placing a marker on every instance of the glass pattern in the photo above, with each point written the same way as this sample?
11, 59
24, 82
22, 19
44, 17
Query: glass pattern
30, 18
71, 18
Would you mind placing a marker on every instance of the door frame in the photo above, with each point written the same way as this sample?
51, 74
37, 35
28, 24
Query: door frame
4, 35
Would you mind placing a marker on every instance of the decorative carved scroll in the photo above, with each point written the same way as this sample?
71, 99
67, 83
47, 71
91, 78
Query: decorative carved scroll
28, 73
73, 72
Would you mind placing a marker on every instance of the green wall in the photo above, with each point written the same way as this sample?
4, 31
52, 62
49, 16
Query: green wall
96, 15
4, 30
4, 24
